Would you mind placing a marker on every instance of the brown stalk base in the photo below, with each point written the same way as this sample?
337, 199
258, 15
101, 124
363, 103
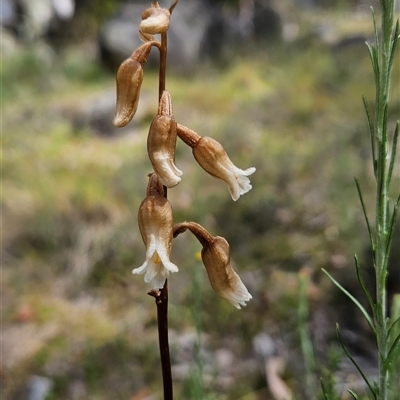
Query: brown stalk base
161, 297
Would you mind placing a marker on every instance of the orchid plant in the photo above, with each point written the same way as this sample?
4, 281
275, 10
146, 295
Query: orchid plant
155, 216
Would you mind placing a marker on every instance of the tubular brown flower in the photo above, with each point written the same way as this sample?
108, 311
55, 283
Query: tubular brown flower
161, 143
156, 227
216, 258
129, 82
213, 158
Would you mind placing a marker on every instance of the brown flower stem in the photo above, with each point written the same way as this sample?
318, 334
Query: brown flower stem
173, 5
202, 235
161, 297
163, 64
162, 72
191, 138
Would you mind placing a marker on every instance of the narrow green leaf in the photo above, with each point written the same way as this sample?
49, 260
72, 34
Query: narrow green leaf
354, 362
394, 43
363, 286
371, 237
392, 225
392, 326
354, 395
354, 300
393, 154
371, 131
326, 397
394, 352
384, 128
375, 28
374, 61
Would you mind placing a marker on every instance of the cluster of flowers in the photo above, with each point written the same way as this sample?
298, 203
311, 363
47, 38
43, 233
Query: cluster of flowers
155, 212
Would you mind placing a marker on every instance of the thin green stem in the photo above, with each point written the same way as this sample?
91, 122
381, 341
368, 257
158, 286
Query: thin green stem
383, 76
305, 341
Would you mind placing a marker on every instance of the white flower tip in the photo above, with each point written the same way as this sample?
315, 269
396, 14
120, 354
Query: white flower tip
166, 170
157, 282
241, 187
240, 183
141, 269
171, 267
177, 170
237, 294
235, 196
249, 171
170, 181
238, 303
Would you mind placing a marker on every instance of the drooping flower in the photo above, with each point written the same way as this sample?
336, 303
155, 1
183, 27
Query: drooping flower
156, 227
216, 258
129, 83
161, 143
213, 158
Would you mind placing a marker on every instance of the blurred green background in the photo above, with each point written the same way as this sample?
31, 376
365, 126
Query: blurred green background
73, 314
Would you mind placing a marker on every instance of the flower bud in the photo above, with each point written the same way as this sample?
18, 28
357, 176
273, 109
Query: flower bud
213, 159
156, 227
155, 20
216, 258
161, 143
129, 82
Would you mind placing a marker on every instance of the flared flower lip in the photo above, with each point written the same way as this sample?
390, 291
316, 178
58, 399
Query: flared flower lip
166, 170
238, 296
238, 181
157, 265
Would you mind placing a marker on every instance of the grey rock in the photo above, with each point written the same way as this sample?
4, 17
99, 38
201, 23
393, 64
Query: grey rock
7, 13
264, 346
64, 9
39, 387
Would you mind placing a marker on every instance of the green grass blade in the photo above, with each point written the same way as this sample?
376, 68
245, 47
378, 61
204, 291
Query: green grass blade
371, 237
326, 397
354, 362
394, 352
394, 151
392, 326
374, 61
396, 38
384, 126
394, 43
392, 225
354, 395
371, 131
363, 286
376, 35
354, 300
